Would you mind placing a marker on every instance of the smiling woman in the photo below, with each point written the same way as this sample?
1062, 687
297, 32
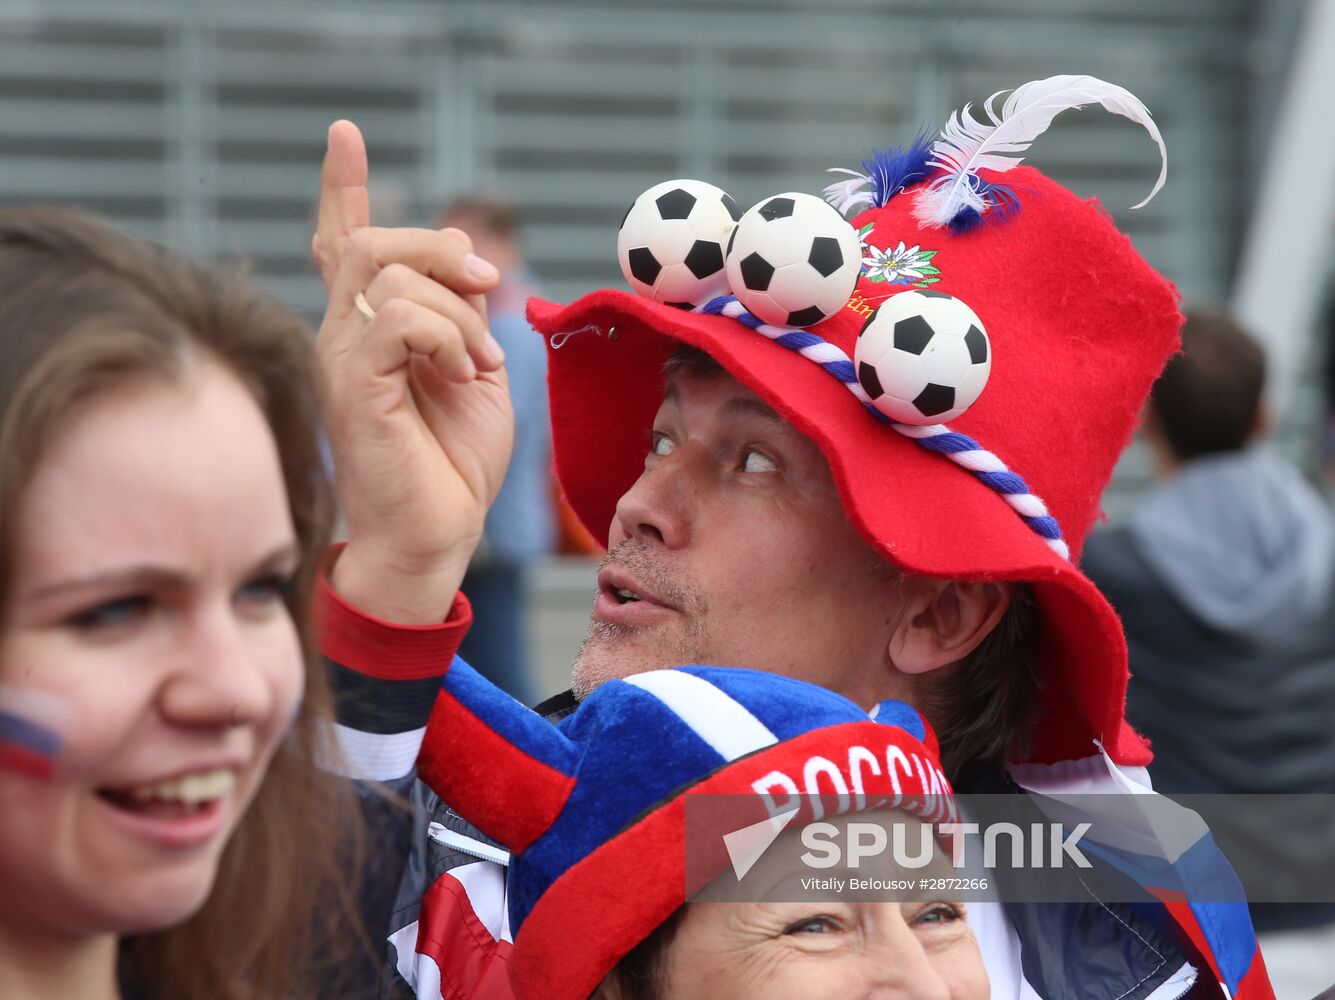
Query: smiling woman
819, 938
162, 508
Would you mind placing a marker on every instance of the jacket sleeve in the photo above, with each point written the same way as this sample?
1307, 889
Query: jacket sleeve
385, 678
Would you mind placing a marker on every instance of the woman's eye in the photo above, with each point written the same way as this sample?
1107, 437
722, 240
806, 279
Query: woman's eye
813, 925
267, 589
662, 445
110, 614
755, 461
938, 913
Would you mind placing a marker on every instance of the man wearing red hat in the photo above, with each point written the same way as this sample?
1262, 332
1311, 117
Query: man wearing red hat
773, 502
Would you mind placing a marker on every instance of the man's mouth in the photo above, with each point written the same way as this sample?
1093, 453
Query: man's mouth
187, 795
621, 587
624, 600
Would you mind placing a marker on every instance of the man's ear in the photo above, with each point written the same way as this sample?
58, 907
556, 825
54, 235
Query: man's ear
943, 621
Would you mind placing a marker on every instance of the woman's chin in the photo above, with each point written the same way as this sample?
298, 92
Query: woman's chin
158, 903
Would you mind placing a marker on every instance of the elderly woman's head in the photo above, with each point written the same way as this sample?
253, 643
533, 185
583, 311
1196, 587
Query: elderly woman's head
635, 804
812, 934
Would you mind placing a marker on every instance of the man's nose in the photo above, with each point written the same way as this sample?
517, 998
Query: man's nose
662, 505
219, 677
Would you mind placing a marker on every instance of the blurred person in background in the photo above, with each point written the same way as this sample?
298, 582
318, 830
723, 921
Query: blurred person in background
1223, 578
164, 832
1327, 334
521, 525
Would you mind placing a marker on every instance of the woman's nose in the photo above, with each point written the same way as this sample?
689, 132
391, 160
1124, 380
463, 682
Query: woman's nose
220, 677
898, 965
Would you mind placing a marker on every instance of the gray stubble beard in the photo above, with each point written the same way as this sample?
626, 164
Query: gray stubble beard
595, 662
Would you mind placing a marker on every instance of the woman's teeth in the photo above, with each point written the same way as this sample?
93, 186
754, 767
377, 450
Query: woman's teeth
191, 789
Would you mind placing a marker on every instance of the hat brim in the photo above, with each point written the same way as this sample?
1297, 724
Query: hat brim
920, 511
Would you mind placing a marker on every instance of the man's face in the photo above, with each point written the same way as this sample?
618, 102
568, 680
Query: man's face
732, 549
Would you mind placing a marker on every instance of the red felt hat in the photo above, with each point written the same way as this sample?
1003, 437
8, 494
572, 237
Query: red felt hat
1079, 326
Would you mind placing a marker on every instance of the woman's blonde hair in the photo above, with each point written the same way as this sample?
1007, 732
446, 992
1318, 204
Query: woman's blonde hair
83, 307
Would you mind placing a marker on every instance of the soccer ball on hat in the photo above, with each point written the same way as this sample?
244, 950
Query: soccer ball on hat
672, 240
793, 260
923, 357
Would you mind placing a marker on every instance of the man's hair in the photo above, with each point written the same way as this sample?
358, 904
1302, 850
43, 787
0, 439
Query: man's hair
692, 361
1208, 396
984, 707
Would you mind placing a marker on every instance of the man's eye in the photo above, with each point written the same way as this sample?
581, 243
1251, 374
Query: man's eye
662, 445
819, 924
755, 461
110, 614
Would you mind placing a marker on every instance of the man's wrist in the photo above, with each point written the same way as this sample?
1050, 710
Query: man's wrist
394, 589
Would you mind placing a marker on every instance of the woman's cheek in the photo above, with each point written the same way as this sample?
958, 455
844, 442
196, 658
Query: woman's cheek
48, 826
287, 682
50, 815
961, 966
86, 705
28, 808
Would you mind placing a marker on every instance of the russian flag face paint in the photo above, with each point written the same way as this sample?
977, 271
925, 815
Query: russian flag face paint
32, 731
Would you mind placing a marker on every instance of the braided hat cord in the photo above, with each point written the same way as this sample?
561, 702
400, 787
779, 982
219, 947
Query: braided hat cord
961, 449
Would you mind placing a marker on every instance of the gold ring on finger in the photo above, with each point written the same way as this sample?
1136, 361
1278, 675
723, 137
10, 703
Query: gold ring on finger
363, 307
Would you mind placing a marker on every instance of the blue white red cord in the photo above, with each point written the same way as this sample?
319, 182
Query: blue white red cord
961, 449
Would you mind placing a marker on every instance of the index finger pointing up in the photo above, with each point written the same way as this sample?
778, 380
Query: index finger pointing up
345, 205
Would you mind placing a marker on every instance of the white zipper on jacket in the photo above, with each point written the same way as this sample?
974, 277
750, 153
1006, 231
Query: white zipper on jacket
1178, 985
467, 845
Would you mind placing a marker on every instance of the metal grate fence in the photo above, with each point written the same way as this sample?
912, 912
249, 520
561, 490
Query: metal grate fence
201, 124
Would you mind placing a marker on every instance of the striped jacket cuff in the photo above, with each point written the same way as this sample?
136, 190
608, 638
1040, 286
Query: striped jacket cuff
386, 650
385, 678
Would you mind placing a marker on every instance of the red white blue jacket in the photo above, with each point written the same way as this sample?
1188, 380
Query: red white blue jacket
440, 896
